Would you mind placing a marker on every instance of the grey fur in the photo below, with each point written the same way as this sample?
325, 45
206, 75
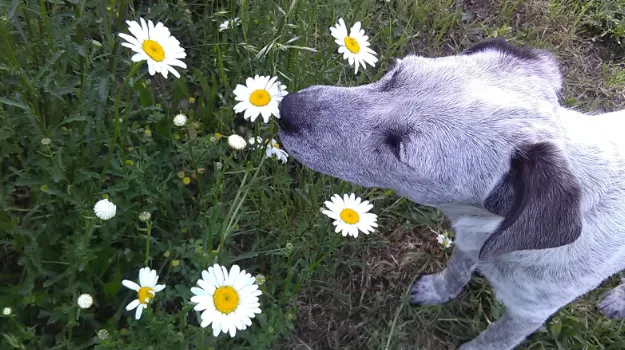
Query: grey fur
482, 137
612, 303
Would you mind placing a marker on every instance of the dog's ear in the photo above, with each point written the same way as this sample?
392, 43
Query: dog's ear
539, 199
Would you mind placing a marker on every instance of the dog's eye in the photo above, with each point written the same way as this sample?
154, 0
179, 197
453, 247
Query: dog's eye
393, 141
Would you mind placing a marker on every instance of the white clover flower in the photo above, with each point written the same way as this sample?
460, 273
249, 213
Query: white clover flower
146, 290
180, 120
355, 46
7, 311
273, 149
85, 301
228, 300
259, 96
350, 215
156, 46
104, 209
236, 142
444, 240
229, 23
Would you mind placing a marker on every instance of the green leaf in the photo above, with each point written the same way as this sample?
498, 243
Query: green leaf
76, 118
46, 67
114, 285
4, 134
6, 101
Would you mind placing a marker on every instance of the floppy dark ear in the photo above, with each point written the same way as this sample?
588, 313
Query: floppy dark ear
539, 199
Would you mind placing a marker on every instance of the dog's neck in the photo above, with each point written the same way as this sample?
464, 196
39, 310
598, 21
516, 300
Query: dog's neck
595, 148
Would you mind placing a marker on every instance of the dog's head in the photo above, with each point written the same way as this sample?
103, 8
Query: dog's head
439, 130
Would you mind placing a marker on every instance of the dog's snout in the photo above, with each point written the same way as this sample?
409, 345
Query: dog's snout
289, 112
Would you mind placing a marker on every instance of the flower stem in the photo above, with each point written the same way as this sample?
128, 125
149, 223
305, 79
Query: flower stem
148, 230
113, 142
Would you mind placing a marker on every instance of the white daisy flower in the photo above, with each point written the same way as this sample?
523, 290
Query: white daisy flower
259, 95
180, 120
444, 240
355, 46
85, 301
351, 215
146, 289
236, 142
228, 300
104, 209
229, 23
155, 45
7, 311
273, 149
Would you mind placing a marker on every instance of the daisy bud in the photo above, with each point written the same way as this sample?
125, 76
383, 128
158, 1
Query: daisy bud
145, 216
85, 301
236, 142
180, 120
103, 334
104, 209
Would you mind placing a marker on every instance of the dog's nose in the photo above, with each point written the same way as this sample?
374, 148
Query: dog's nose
290, 109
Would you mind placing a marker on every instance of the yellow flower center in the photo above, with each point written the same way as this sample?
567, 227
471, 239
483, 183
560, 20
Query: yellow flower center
352, 44
260, 98
145, 294
154, 50
226, 299
349, 216
276, 146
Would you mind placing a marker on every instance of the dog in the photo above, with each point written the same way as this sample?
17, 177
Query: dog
534, 191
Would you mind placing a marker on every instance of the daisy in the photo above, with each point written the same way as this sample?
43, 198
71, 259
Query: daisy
229, 23
85, 301
228, 300
180, 120
259, 95
155, 45
350, 214
273, 149
444, 240
236, 142
104, 209
146, 289
355, 46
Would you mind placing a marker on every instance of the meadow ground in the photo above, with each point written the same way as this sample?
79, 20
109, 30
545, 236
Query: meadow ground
63, 77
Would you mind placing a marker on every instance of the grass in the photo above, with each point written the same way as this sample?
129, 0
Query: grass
62, 72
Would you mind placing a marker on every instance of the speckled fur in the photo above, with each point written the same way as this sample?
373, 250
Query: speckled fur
442, 132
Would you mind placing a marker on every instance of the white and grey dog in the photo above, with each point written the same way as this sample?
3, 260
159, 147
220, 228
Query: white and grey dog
534, 191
